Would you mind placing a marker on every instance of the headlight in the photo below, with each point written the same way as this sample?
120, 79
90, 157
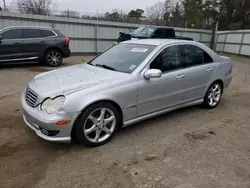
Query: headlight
53, 105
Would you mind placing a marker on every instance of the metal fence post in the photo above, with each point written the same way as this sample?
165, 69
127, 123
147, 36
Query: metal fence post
215, 43
200, 37
96, 39
52, 23
242, 39
225, 40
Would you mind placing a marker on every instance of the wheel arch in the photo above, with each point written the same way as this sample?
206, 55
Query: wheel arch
53, 48
115, 104
219, 81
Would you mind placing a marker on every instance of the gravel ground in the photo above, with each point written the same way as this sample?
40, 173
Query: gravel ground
189, 148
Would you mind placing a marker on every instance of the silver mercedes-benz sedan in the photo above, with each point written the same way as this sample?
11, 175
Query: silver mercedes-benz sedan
132, 81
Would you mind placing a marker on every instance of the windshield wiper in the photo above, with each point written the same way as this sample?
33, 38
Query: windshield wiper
105, 67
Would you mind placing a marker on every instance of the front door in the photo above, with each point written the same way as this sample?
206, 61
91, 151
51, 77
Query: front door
198, 67
161, 93
10, 45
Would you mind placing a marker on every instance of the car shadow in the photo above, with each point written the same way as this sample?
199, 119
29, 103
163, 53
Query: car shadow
137, 127
146, 124
31, 66
18, 65
158, 119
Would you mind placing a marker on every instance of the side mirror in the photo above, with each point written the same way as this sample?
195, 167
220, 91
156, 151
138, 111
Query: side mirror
1, 38
153, 73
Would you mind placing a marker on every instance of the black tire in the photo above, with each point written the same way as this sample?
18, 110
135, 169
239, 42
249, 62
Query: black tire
48, 59
79, 129
207, 99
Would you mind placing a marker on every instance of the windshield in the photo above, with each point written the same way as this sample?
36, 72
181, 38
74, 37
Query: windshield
123, 57
144, 30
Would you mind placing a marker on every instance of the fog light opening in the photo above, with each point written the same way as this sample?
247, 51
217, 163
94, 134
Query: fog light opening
45, 132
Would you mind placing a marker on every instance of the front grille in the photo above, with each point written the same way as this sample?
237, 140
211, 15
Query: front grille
31, 97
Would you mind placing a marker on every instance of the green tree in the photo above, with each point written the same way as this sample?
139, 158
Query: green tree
193, 13
232, 14
241, 16
135, 16
115, 15
138, 13
177, 18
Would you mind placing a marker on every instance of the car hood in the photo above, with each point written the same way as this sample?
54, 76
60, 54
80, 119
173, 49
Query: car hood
71, 79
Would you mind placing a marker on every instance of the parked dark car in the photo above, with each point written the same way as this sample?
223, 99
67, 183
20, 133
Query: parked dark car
146, 32
45, 45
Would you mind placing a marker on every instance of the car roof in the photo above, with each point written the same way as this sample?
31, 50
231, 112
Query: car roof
27, 27
156, 26
158, 42
165, 42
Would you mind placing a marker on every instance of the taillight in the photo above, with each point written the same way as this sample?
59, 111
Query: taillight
66, 39
231, 69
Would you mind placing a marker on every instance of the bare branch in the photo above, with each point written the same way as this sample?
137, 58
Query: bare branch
156, 12
42, 7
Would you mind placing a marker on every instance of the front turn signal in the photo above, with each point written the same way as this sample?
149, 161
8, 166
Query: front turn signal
63, 122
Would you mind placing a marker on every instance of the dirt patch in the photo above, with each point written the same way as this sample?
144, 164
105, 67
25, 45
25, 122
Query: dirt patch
155, 153
134, 162
7, 150
8, 95
212, 133
151, 158
28, 164
11, 120
192, 137
38, 69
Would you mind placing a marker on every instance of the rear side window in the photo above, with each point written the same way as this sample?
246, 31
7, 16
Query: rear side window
207, 58
160, 33
170, 33
47, 33
195, 56
12, 34
31, 33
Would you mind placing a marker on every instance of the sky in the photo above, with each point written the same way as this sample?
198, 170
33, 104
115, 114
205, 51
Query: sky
102, 6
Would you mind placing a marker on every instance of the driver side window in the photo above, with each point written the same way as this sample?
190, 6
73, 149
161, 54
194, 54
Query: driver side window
168, 60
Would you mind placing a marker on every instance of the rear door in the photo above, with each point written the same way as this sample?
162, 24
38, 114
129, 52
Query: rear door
10, 45
199, 68
33, 43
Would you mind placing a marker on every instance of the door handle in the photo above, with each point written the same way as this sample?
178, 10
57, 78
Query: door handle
180, 76
43, 42
17, 43
210, 69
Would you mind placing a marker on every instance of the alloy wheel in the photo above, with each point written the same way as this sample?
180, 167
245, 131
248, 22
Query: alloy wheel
214, 95
99, 125
54, 58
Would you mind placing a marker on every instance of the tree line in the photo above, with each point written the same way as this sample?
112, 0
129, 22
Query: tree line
200, 14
